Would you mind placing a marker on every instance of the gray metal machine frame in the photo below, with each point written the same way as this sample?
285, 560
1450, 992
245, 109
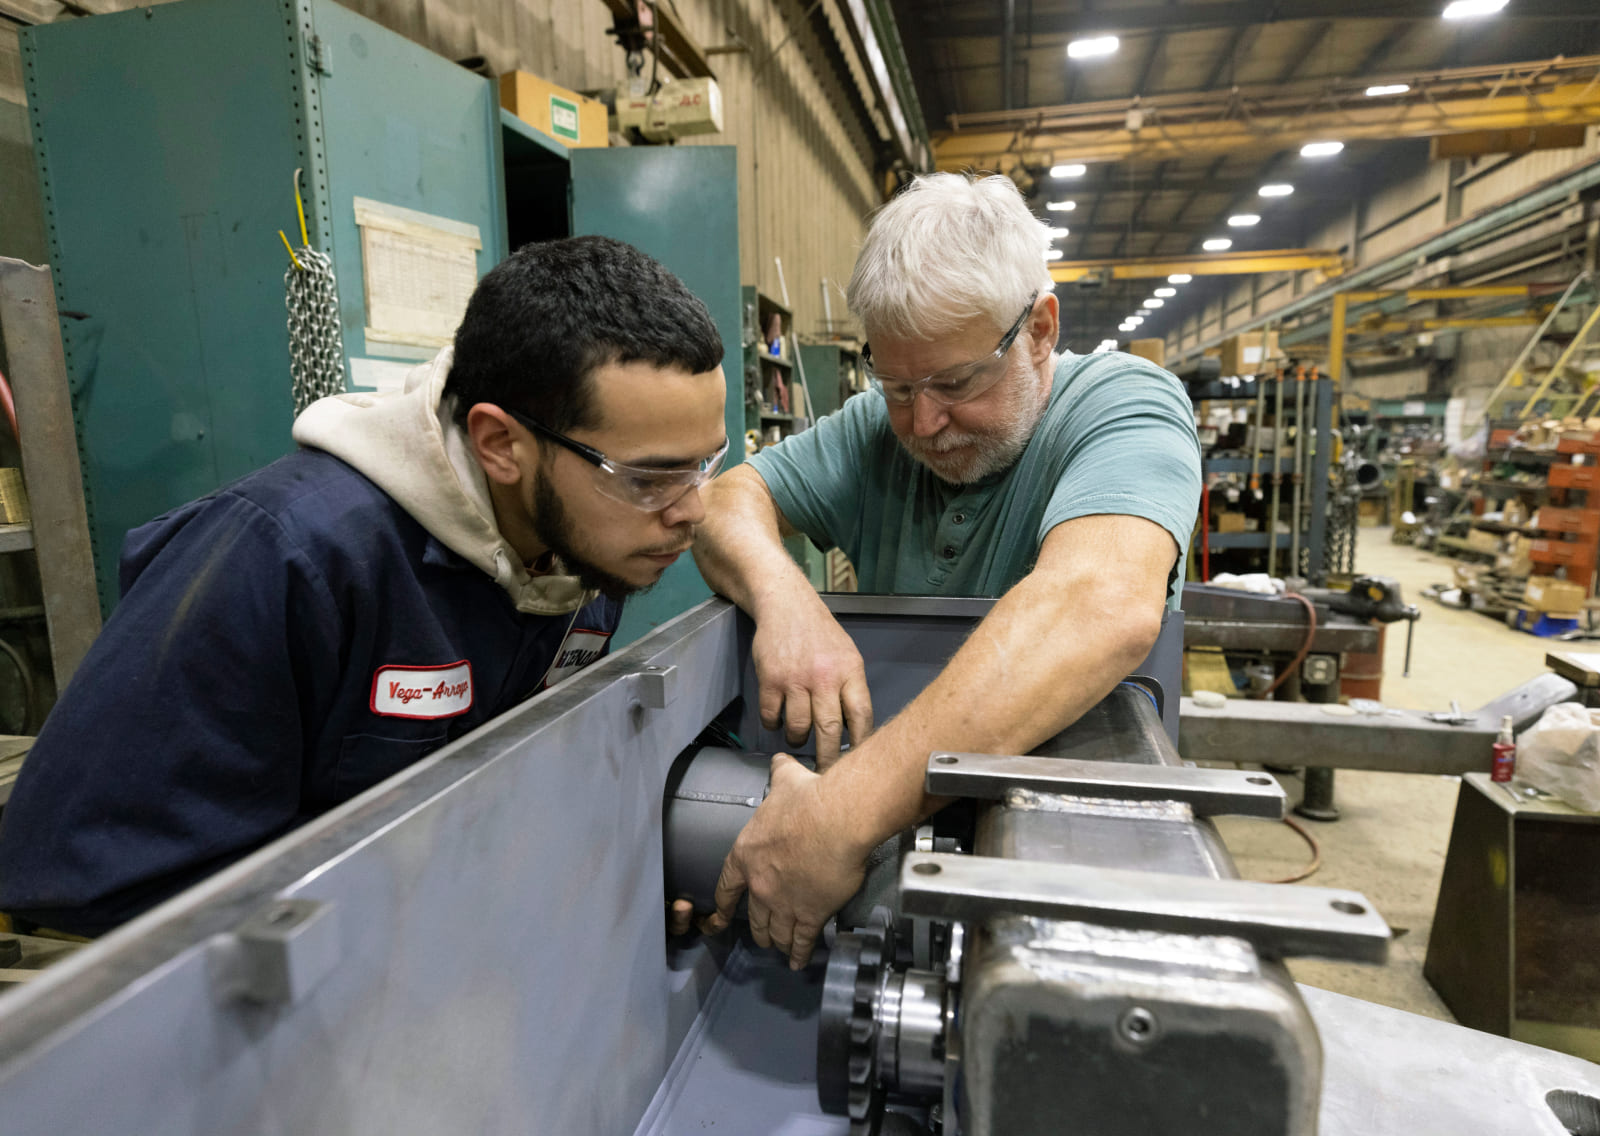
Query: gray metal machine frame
478, 945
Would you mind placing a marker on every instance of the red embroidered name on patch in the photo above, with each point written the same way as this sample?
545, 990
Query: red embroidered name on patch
422, 692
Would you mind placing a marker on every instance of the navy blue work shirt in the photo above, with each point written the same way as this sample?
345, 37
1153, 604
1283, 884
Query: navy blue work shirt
281, 646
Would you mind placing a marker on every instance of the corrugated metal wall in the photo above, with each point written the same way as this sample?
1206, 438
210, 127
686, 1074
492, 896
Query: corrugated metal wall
1392, 217
805, 161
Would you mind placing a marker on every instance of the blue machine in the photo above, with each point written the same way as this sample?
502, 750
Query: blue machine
167, 141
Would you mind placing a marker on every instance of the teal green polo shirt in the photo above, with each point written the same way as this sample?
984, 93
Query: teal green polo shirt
1118, 437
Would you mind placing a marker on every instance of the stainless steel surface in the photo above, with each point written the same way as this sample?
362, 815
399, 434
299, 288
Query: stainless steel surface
919, 1032
508, 882
49, 448
279, 954
1208, 792
1393, 740
1280, 922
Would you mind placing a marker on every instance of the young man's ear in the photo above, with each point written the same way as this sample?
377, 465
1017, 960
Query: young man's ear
496, 439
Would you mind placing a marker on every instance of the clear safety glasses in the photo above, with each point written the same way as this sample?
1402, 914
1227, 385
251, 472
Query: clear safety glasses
642, 487
952, 385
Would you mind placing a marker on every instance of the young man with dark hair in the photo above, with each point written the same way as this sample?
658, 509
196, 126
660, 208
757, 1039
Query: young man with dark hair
427, 560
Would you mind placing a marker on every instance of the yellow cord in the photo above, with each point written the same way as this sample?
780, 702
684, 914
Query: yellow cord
292, 256
305, 239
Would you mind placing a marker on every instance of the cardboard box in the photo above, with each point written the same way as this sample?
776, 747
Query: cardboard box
1480, 541
1546, 593
1244, 354
564, 115
1154, 350
1230, 522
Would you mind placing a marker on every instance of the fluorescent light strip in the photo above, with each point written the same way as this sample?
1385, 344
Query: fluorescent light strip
1278, 189
1217, 244
1093, 47
1070, 170
1061, 206
1320, 149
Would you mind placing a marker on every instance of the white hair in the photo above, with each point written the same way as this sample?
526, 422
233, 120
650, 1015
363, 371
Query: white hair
948, 249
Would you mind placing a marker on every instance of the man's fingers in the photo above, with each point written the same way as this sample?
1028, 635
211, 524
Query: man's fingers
857, 700
781, 931
760, 920
771, 706
828, 723
680, 917
797, 709
802, 942
730, 886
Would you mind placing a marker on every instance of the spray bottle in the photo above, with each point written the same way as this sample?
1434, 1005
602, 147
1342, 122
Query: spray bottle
1505, 753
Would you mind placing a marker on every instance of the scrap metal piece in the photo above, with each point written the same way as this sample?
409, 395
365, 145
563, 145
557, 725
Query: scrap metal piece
1208, 792
1278, 921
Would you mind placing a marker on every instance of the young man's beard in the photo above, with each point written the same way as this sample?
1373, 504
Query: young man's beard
555, 530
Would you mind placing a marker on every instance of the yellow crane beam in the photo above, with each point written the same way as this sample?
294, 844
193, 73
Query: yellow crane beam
1003, 150
1200, 264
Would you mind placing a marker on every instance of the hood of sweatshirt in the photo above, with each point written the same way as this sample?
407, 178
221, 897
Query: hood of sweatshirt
407, 443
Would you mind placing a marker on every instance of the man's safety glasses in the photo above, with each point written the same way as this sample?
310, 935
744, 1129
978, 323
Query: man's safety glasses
640, 486
952, 385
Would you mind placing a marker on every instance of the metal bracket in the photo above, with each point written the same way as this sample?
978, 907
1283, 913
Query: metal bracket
320, 54
1209, 792
280, 953
658, 686
1278, 921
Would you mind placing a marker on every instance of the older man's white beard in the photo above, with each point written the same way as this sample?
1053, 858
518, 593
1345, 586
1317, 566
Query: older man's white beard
961, 457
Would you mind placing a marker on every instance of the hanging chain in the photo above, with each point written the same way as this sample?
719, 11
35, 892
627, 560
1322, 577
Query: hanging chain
316, 345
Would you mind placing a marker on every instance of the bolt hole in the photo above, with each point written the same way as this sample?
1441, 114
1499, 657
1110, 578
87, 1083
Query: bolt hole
1259, 780
926, 869
1137, 1025
1348, 908
1578, 1113
944, 759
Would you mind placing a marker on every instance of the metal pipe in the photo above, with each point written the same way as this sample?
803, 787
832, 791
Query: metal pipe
1301, 451
1553, 192
1008, 53
1277, 476
1255, 443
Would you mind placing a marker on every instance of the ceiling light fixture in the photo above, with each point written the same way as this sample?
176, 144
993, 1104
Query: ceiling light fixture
1387, 89
1093, 47
1061, 206
1320, 149
1057, 234
1166, 292
1279, 189
1217, 244
1052, 254
1179, 278
1244, 220
1467, 9
1071, 170
1134, 320
1154, 303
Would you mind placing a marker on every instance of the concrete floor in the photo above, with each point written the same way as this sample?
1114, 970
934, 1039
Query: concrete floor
1390, 842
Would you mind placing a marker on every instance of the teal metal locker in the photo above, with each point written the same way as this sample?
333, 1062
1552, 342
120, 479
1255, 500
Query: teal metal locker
167, 140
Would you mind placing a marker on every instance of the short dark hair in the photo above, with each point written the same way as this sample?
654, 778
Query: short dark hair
542, 320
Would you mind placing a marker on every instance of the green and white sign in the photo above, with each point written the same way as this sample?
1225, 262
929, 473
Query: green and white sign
563, 118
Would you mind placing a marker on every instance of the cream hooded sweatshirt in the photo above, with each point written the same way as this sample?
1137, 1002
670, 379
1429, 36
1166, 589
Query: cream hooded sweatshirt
407, 443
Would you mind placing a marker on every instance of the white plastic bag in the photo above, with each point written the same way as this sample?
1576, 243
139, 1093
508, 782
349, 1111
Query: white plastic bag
1561, 755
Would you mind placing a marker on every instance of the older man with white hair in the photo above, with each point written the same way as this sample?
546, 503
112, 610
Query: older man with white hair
983, 463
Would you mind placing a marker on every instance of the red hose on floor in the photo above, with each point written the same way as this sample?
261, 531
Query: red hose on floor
10, 405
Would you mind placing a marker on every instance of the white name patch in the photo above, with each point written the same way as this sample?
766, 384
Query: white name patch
578, 650
422, 692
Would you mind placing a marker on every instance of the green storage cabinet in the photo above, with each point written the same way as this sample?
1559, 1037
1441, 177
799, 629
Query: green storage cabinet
167, 140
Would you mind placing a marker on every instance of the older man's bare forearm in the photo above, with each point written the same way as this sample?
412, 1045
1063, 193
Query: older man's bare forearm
739, 547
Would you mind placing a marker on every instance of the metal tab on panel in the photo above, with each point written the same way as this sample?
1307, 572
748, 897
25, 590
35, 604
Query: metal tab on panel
657, 686
1279, 921
1209, 792
280, 953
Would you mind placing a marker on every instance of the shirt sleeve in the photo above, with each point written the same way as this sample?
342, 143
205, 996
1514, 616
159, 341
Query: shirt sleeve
1128, 446
180, 742
817, 476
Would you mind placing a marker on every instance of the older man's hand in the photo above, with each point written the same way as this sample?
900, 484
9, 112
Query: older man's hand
798, 860
811, 678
